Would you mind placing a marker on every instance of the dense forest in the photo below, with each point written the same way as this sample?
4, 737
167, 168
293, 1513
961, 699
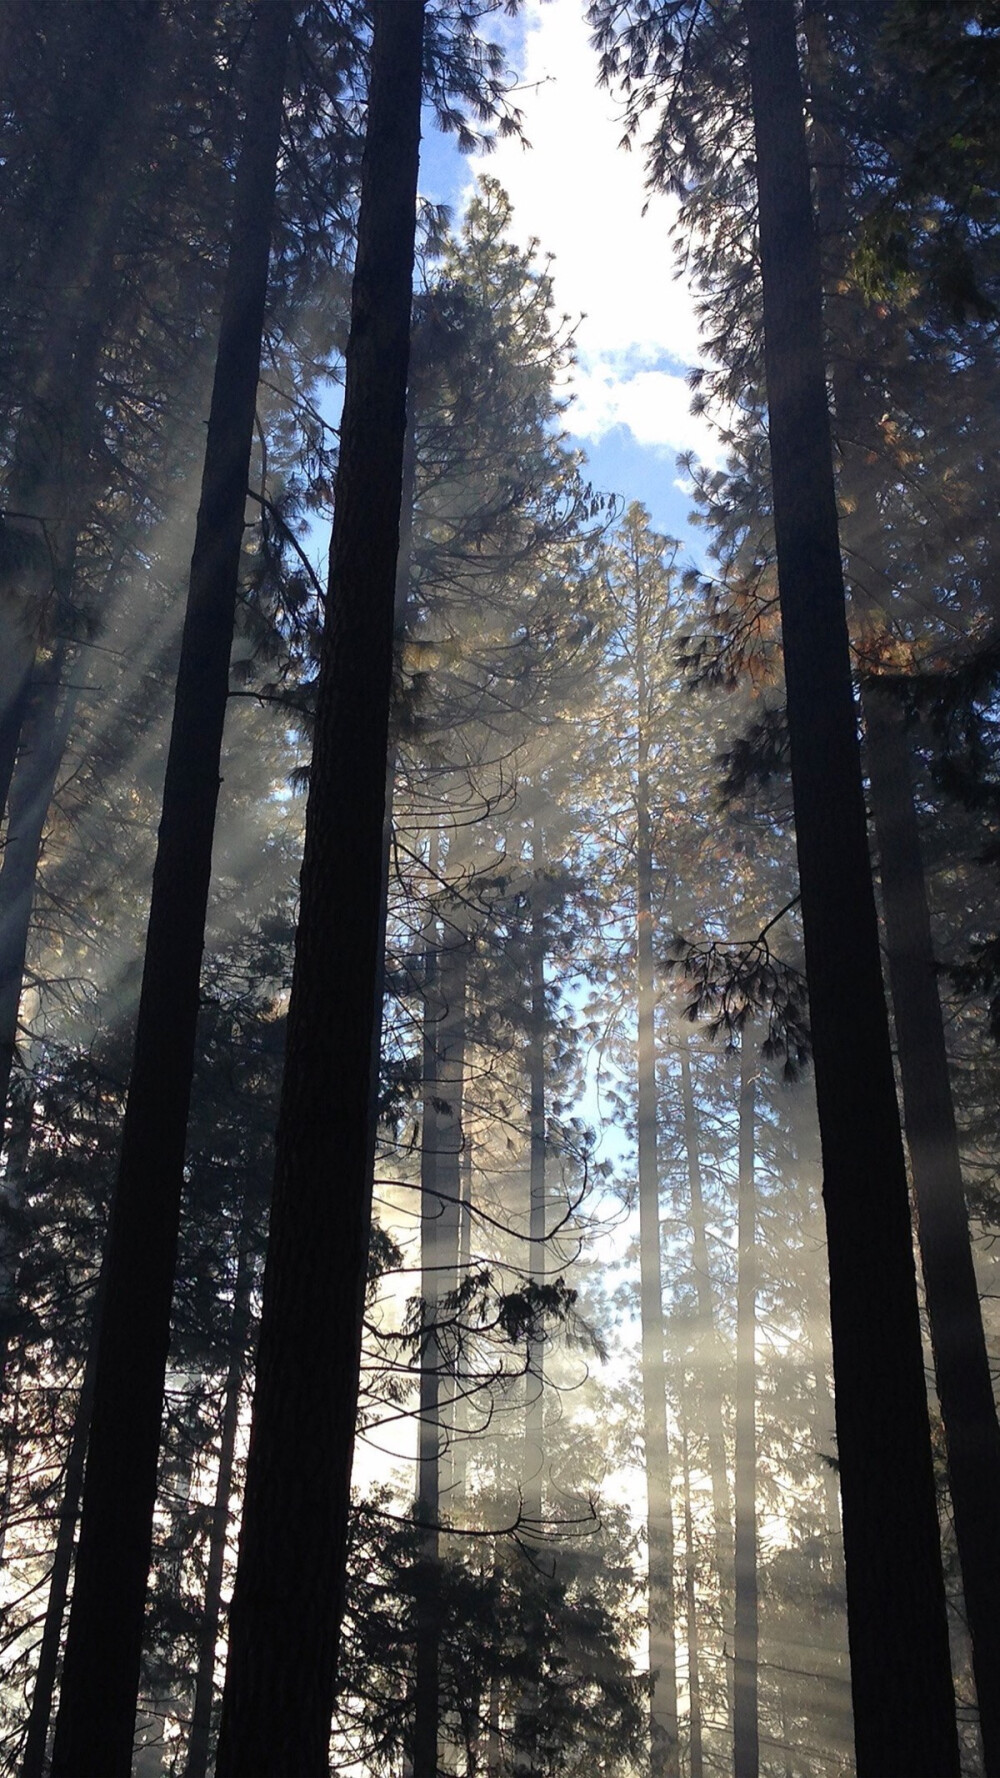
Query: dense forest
499, 1001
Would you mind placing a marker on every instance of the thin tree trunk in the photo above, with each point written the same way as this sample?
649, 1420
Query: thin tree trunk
710, 1343
40, 1715
901, 1676
460, 1430
663, 1747
208, 1635
534, 1381
288, 1602
691, 1615
440, 1192
746, 1735
95, 1725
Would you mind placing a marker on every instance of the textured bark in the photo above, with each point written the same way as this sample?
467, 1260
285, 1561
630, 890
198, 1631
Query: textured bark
663, 1747
746, 1733
695, 1753
96, 1718
211, 1612
288, 1600
901, 1677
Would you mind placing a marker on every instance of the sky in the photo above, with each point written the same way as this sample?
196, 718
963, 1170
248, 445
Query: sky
583, 198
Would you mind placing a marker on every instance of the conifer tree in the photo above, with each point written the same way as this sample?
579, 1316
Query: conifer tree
96, 1717
288, 1597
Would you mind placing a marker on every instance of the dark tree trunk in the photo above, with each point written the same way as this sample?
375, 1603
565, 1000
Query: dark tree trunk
663, 1748
961, 1361
962, 1371
40, 1715
901, 1677
746, 1734
691, 1614
534, 1412
288, 1603
211, 1611
95, 1725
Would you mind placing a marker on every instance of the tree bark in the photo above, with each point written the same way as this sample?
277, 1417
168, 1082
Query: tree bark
961, 1361
208, 1636
901, 1678
663, 1745
288, 1601
95, 1725
746, 1734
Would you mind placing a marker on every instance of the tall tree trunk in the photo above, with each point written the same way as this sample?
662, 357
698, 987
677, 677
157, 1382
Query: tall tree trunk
901, 1677
534, 1381
954, 1313
691, 1615
211, 1611
440, 1194
710, 1343
746, 1735
663, 1747
96, 1718
288, 1602
691, 1620
961, 1361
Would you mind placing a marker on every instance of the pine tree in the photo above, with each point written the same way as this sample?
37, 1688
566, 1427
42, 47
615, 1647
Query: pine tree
101, 1665
288, 1597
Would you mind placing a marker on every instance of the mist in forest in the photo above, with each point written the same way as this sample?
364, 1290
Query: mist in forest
499, 974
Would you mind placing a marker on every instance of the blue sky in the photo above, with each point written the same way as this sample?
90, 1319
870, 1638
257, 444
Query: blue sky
583, 198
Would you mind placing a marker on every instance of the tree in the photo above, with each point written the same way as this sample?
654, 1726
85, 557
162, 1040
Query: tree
288, 1596
96, 1717
904, 1708
877, 1356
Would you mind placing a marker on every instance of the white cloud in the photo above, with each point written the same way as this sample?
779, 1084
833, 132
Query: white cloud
653, 404
584, 198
